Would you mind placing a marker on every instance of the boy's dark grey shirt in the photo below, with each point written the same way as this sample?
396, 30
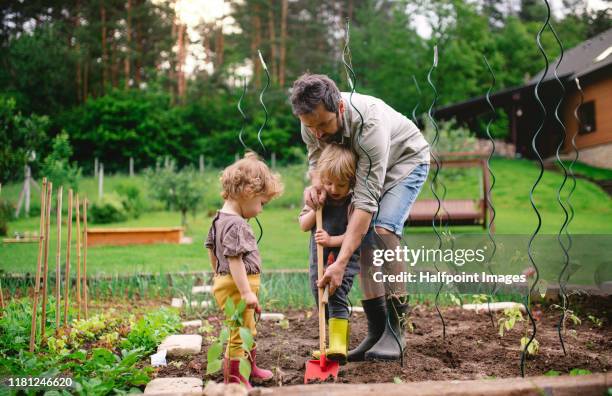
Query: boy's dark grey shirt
395, 146
335, 221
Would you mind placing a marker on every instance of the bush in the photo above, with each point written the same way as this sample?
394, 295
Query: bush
452, 137
6, 214
132, 200
109, 210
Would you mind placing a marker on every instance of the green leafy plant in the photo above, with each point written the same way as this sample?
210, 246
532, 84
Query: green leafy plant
480, 298
568, 315
233, 322
533, 348
57, 166
151, 329
509, 320
579, 371
132, 199
108, 210
595, 320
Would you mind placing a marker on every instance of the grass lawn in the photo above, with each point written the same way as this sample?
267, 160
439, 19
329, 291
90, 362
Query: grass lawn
589, 171
284, 246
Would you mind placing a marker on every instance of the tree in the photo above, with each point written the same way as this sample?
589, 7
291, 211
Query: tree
57, 167
20, 137
177, 189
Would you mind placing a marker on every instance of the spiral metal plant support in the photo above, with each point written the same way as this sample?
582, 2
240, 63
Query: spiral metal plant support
571, 166
563, 278
244, 117
525, 349
352, 81
261, 94
418, 103
566, 257
489, 192
434, 179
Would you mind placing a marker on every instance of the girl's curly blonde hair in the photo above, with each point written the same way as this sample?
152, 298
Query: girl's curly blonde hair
249, 177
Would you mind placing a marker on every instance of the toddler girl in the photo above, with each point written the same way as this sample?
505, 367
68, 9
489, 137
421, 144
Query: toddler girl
246, 186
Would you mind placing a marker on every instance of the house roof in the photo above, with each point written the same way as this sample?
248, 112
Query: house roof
586, 57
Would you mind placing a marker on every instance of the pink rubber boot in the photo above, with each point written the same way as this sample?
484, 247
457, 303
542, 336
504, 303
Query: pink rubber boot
258, 372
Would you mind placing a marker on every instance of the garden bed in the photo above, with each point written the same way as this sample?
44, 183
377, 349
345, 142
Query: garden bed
473, 348
133, 236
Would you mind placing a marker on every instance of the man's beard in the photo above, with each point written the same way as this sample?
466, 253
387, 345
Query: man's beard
335, 137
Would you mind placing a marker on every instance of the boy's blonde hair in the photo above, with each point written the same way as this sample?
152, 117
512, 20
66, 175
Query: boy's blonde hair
337, 163
249, 177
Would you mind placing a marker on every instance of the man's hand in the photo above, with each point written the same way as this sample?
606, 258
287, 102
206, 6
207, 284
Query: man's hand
333, 277
251, 300
314, 196
322, 238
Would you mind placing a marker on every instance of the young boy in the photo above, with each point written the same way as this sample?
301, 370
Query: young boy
336, 170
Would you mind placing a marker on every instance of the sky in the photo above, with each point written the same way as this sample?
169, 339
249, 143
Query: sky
193, 12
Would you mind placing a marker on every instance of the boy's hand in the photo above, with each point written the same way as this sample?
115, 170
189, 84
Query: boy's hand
250, 299
322, 238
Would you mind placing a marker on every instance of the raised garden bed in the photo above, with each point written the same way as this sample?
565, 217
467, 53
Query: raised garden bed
588, 385
133, 236
472, 350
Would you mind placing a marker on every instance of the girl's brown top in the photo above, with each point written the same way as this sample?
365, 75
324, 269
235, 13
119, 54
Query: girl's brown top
230, 235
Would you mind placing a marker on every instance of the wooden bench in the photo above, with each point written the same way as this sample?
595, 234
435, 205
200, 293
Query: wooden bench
133, 236
456, 212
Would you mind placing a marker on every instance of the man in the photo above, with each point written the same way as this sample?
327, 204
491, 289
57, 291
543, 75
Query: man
392, 166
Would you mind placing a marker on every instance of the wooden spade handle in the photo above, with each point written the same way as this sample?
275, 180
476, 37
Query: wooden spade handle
319, 219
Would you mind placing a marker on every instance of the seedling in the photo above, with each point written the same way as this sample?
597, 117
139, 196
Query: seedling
507, 322
567, 315
595, 320
579, 371
480, 298
533, 348
233, 322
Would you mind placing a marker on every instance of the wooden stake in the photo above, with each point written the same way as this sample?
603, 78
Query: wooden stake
43, 318
41, 242
78, 252
67, 273
58, 276
85, 291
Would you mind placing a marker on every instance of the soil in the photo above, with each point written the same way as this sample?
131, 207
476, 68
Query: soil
472, 348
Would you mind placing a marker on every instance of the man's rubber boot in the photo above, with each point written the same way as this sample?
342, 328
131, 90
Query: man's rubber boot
375, 310
234, 374
338, 340
391, 344
258, 372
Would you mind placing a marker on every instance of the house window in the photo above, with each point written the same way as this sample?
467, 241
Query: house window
587, 118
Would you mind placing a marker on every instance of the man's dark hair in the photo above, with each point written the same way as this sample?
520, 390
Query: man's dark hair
311, 89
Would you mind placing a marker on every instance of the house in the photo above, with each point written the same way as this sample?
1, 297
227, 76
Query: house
591, 64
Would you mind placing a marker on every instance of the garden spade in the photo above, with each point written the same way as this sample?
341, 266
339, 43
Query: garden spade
321, 369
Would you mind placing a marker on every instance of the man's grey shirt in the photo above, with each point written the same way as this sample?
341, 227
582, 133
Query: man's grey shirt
394, 147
